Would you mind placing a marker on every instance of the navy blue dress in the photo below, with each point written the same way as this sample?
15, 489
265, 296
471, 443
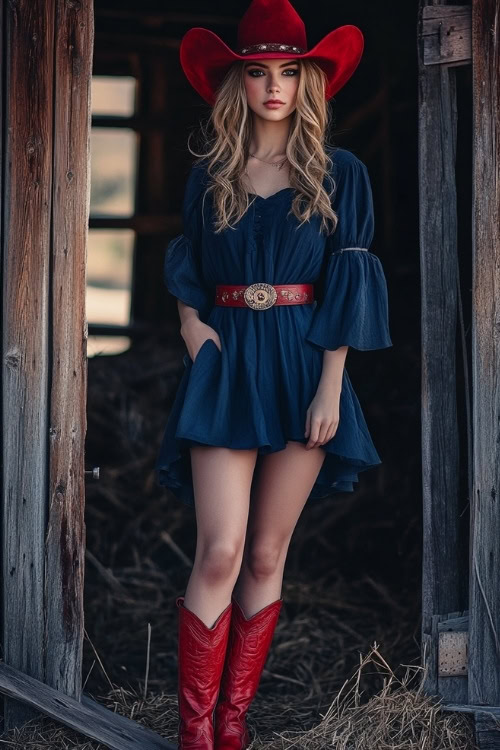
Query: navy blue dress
254, 392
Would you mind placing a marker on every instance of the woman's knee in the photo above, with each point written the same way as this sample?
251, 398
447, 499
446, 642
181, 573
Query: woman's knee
219, 561
265, 555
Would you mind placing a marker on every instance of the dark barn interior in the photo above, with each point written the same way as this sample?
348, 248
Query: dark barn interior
358, 557
353, 574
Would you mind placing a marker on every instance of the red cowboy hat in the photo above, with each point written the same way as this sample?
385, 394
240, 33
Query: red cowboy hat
269, 28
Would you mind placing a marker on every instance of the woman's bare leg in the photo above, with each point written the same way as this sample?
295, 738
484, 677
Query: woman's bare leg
222, 479
282, 486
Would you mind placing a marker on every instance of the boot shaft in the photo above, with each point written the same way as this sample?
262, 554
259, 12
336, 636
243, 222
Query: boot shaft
249, 643
201, 654
248, 647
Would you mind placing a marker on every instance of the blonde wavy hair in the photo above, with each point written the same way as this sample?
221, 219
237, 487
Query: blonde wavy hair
227, 134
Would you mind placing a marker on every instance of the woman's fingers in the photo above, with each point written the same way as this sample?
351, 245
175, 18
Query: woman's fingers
308, 422
319, 431
315, 436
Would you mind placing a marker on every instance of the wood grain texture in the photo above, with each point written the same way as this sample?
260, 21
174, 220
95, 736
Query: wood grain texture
484, 668
439, 281
88, 717
446, 34
487, 730
27, 189
65, 540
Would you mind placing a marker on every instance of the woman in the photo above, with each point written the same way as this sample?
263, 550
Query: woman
274, 282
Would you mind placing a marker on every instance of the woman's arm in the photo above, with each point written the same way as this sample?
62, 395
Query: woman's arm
186, 314
322, 416
193, 330
333, 368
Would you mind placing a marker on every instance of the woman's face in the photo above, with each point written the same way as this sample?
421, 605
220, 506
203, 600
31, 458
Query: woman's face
272, 78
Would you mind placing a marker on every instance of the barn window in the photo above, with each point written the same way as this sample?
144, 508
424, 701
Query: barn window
112, 236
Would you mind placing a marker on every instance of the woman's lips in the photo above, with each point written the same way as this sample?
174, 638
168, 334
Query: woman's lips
273, 105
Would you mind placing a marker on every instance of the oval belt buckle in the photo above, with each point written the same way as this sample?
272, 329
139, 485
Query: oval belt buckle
260, 296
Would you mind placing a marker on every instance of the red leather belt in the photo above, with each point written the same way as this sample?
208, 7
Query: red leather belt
261, 296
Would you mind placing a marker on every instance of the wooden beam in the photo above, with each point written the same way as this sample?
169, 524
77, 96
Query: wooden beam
487, 734
88, 717
484, 656
28, 61
439, 283
107, 329
469, 708
486, 723
65, 531
168, 223
446, 34
454, 622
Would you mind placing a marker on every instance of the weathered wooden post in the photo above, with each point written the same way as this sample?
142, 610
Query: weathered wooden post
46, 123
484, 635
460, 649
45, 118
439, 265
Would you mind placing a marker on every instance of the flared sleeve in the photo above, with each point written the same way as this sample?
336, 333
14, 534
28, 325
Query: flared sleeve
353, 306
183, 273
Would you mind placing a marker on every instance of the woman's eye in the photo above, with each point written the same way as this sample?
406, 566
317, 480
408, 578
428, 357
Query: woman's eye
293, 71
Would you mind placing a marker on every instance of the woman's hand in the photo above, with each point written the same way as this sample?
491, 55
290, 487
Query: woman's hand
322, 417
195, 333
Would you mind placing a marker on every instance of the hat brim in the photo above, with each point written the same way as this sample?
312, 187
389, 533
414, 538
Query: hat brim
205, 58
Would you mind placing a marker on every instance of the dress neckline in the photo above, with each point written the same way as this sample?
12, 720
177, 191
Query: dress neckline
262, 198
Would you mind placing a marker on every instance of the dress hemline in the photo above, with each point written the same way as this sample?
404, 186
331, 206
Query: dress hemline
174, 477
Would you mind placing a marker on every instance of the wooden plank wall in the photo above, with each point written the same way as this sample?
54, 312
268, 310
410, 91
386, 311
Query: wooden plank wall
46, 57
484, 644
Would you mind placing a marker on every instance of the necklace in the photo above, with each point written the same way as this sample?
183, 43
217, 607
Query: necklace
277, 164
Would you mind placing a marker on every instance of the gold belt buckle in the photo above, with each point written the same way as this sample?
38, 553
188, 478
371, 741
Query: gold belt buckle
260, 296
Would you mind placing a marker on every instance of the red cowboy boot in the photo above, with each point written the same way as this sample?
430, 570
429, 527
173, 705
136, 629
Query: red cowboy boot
201, 653
249, 643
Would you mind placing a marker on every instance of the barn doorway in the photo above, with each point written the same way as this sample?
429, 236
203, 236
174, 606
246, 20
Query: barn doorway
353, 575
